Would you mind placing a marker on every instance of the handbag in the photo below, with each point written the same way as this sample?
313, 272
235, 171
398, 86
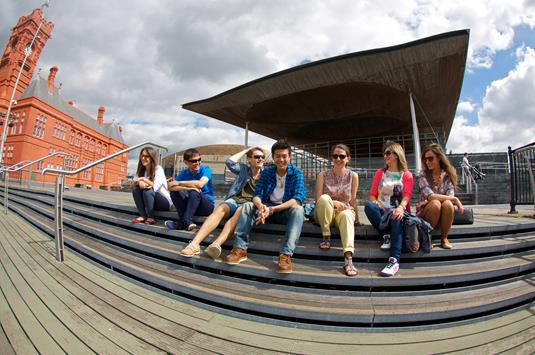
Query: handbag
466, 218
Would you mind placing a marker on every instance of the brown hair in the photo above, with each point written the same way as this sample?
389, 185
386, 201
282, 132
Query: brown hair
344, 147
443, 160
250, 151
397, 149
151, 170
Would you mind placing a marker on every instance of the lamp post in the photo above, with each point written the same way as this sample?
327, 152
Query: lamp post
27, 52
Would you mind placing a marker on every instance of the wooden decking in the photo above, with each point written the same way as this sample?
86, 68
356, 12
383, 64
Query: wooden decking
78, 307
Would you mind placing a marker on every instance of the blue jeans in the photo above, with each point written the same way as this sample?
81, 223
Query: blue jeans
147, 201
292, 217
190, 203
374, 214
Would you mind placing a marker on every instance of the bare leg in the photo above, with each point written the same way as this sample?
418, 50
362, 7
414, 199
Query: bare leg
228, 229
446, 220
431, 213
211, 223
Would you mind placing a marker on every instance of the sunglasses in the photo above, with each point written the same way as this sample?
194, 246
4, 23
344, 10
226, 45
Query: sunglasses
388, 152
339, 156
429, 159
194, 161
258, 157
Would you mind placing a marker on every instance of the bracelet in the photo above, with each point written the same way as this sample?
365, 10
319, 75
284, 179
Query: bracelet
270, 209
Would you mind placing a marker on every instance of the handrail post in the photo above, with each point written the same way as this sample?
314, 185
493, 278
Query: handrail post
58, 209
6, 201
512, 203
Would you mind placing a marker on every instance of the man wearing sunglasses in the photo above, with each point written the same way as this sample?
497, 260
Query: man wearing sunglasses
279, 196
191, 192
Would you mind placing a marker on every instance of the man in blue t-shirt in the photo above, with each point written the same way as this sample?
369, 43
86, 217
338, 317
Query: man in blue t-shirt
191, 192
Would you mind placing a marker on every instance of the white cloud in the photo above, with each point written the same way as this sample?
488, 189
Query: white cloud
507, 115
466, 106
143, 59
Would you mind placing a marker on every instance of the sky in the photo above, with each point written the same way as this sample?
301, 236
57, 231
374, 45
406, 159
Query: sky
143, 59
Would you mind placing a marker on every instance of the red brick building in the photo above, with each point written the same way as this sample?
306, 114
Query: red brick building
43, 122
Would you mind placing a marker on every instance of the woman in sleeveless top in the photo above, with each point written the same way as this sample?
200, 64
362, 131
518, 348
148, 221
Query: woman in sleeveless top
437, 182
336, 194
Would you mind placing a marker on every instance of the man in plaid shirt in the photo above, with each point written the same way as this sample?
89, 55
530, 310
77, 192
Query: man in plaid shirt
279, 196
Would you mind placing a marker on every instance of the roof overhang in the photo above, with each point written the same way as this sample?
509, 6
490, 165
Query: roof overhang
362, 94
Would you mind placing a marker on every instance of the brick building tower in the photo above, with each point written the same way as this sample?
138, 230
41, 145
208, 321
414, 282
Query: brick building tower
43, 122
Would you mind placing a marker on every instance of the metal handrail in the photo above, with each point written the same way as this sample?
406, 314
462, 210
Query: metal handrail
58, 196
9, 168
18, 168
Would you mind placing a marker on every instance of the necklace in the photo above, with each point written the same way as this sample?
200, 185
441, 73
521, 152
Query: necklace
436, 181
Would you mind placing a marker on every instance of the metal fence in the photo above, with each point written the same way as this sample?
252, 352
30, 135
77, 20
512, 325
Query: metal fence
521, 164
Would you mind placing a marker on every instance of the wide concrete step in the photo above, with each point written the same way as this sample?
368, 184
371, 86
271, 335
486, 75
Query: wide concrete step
319, 272
304, 304
96, 220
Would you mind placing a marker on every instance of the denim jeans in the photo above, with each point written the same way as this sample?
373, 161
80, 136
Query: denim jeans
147, 201
190, 203
292, 217
374, 214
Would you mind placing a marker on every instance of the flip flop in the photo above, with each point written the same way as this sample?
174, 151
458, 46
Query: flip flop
138, 220
326, 244
350, 270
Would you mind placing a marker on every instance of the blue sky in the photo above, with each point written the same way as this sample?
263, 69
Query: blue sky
476, 81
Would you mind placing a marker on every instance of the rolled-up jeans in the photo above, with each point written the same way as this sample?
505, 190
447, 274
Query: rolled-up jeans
374, 214
147, 201
292, 217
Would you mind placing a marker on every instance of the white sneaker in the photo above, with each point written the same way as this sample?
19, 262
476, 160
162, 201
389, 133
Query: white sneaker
391, 267
191, 227
386, 242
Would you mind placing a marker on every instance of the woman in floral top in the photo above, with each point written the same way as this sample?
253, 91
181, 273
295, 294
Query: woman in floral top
437, 182
336, 196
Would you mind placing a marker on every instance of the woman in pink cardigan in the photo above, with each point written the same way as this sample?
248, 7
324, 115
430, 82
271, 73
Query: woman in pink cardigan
390, 194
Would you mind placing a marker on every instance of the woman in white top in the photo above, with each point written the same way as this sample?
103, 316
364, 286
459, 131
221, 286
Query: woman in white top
150, 187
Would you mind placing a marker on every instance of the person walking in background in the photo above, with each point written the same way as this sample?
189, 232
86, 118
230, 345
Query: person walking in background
191, 192
336, 194
437, 182
149, 187
241, 191
279, 196
390, 195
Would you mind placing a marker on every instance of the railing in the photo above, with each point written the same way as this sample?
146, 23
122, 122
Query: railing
58, 196
521, 163
19, 166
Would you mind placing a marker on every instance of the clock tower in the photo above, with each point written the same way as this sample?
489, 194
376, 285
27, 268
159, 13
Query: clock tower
11, 61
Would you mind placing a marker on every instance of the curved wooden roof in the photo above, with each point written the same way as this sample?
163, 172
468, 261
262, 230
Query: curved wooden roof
362, 94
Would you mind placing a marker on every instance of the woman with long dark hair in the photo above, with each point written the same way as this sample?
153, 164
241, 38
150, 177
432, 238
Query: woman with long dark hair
437, 182
150, 187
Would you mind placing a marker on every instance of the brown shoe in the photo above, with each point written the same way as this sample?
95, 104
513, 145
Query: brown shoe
236, 256
285, 264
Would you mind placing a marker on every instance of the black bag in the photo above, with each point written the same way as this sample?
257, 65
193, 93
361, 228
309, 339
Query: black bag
466, 218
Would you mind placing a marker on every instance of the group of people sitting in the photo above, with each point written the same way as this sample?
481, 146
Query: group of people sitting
277, 193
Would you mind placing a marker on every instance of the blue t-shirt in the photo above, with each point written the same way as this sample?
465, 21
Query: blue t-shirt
186, 175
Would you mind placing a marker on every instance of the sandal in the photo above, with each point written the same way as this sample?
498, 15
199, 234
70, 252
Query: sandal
138, 220
326, 244
350, 269
150, 221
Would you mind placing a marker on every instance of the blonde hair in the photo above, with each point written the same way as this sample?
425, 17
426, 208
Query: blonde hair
443, 160
397, 149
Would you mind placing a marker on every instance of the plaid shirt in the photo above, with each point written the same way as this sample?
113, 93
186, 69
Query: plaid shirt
293, 188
